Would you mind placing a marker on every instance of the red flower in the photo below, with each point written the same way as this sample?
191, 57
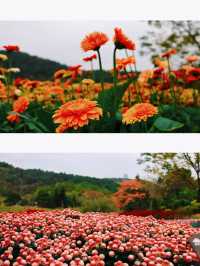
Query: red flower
121, 40
94, 41
90, 58
169, 53
157, 72
11, 48
76, 70
18, 82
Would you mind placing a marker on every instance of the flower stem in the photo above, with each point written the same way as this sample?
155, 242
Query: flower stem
114, 66
138, 93
172, 91
92, 70
101, 69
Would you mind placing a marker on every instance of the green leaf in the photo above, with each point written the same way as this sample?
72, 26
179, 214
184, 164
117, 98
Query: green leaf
110, 99
33, 127
167, 125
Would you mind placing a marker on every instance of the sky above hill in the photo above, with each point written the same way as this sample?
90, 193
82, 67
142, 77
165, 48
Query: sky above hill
94, 164
60, 40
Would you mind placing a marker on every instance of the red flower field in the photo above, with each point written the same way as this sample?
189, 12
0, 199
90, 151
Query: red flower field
67, 237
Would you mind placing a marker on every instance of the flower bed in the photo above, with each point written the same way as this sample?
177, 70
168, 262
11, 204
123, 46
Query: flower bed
70, 238
156, 213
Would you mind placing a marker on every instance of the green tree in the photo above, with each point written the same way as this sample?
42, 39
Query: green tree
193, 161
12, 198
159, 164
182, 35
59, 196
43, 198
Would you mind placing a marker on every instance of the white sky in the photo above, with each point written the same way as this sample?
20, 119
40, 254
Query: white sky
94, 164
60, 40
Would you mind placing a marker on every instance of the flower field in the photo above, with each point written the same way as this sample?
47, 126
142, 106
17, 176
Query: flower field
67, 237
161, 99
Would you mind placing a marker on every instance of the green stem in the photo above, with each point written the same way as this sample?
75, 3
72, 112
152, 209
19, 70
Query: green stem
115, 69
145, 127
172, 91
101, 69
139, 97
92, 70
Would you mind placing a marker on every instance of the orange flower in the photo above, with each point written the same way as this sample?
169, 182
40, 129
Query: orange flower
90, 58
192, 58
93, 41
121, 40
169, 53
139, 112
19, 106
76, 70
11, 48
123, 62
59, 73
76, 113
13, 118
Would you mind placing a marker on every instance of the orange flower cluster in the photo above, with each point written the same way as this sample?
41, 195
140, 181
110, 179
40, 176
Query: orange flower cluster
121, 40
94, 41
19, 106
76, 113
139, 112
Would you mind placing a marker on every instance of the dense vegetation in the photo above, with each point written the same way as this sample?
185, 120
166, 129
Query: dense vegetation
173, 186
50, 189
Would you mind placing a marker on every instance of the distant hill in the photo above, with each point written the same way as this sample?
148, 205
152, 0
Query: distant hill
14, 179
33, 67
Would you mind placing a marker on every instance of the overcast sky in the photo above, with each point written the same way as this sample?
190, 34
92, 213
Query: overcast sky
97, 165
60, 40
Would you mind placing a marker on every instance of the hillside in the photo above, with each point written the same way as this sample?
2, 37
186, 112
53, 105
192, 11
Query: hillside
32, 67
14, 179
37, 68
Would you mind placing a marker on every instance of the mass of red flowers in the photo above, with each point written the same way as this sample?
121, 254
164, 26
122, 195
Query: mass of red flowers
67, 237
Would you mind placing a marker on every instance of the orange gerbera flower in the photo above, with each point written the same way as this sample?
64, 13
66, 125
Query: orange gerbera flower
123, 62
19, 106
90, 58
121, 40
13, 118
59, 73
76, 113
76, 70
192, 58
169, 53
139, 112
93, 41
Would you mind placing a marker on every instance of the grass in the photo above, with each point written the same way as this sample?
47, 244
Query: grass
17, 208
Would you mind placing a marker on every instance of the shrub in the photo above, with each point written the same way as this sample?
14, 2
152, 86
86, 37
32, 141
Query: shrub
103, 204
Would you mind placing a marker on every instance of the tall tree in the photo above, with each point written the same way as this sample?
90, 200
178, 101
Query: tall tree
158, 164
193, 161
